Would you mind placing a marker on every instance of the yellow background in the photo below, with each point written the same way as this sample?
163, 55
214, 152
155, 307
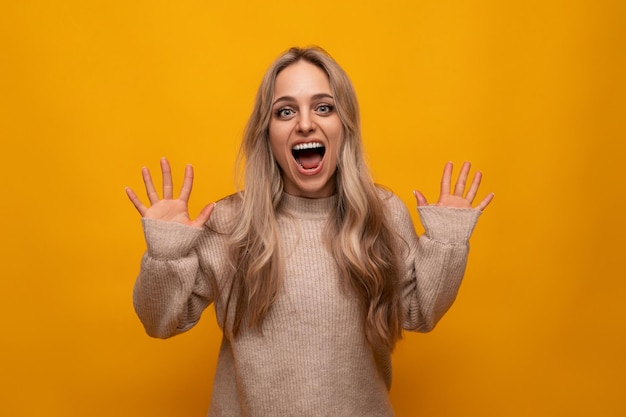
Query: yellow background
532, 92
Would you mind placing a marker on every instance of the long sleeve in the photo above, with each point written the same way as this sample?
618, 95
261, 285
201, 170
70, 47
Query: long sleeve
172, 288
434, 263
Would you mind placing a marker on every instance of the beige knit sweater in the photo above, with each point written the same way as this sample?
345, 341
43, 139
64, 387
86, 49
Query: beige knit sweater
312, 358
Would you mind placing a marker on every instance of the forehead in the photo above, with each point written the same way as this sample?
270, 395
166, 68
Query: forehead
301, 79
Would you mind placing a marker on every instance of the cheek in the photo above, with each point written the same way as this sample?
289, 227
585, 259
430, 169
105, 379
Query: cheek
278, 133
278, 144
335, 131
274, 137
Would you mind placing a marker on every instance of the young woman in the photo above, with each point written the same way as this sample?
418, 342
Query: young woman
313, 270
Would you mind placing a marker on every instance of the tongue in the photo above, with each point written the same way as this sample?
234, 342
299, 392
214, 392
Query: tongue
309, 160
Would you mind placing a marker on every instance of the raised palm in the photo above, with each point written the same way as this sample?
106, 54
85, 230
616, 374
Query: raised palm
168, 208
458, 198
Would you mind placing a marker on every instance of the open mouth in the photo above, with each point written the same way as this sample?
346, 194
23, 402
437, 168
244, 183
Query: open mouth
309, 155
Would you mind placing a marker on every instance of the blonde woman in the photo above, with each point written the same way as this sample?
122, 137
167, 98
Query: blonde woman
313, 270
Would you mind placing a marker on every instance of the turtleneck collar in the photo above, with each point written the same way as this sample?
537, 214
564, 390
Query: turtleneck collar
308, 207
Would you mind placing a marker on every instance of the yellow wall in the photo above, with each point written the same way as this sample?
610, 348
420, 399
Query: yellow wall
532, 92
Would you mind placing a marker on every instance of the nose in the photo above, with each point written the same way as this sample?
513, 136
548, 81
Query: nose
306, 124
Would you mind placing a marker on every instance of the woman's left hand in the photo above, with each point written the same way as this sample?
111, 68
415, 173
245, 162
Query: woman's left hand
458, 198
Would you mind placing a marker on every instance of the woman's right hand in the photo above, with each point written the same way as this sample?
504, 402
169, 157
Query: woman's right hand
169, 209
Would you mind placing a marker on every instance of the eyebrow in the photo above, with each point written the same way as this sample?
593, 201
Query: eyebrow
313, 97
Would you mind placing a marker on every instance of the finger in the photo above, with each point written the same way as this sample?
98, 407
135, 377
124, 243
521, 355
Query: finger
166, 171
459, 188
421, 200
485, 202
204, 215
471, 193
135, 200
446, 179
147, 181
185, 190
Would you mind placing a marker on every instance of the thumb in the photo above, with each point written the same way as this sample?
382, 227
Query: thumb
204, 215
421, 200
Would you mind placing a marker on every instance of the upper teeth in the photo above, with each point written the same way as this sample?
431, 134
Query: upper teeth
308, 145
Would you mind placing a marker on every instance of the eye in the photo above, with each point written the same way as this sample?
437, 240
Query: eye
324, 109
284, 113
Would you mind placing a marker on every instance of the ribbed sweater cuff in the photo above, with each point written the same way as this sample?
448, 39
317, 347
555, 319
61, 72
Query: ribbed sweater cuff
168, 240
448, 225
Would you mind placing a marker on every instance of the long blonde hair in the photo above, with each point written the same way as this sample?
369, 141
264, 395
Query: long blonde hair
362, 243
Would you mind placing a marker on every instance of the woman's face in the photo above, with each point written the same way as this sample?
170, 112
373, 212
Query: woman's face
305, 131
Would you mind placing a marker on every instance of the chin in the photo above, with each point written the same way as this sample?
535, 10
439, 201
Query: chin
311, 187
